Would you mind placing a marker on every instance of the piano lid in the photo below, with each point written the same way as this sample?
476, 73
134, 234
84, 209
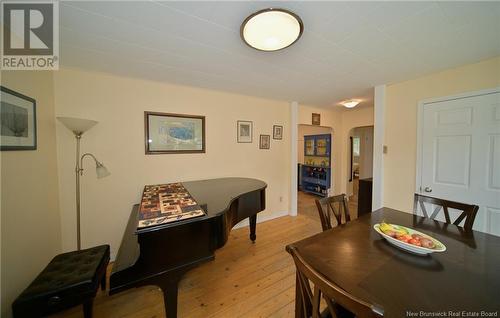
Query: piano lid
214, 196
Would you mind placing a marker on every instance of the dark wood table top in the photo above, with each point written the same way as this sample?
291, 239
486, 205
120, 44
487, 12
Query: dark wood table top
466, 277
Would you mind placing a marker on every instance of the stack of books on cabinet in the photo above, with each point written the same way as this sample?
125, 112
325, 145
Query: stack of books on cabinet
316, 170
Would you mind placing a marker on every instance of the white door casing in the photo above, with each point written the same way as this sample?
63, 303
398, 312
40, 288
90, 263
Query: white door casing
458, 153
294, 129
378, 146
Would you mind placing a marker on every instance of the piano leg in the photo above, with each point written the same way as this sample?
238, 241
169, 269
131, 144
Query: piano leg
169, 287
253, 226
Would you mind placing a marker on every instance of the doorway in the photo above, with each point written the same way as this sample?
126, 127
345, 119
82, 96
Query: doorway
314, 148
360, 170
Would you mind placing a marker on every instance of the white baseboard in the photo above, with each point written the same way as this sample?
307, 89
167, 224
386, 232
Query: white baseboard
262, 219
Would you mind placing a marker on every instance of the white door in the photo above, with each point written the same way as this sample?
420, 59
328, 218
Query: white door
460, 155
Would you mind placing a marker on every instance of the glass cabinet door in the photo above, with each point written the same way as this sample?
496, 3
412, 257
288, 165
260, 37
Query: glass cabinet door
309, 145
321, 147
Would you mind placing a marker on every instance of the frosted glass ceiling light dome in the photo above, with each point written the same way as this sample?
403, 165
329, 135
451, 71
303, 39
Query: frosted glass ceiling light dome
271, 29
350, 103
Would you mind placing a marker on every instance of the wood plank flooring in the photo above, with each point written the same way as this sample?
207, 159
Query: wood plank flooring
244, 280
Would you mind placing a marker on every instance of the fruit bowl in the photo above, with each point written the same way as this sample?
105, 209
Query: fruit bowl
408, 239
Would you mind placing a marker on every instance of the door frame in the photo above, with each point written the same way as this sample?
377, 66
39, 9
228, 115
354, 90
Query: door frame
420, 125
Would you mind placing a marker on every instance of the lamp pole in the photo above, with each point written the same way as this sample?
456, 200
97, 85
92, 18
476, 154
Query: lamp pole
78, 169
79, 173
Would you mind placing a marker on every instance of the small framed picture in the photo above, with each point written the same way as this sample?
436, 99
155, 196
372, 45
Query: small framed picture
265, 142
18, 121
316, 119
174, 133
244, 131
277, 132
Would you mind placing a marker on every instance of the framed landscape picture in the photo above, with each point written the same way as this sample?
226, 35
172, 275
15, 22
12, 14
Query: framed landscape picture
277, 132
265, 142
174, 133
18, 121
244, 131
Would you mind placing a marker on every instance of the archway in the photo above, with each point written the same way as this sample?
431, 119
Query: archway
359, 166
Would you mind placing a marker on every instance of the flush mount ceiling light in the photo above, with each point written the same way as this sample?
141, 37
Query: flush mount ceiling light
350, 103
271, 29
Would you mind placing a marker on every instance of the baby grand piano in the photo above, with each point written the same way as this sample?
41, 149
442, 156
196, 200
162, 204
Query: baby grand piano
159, 255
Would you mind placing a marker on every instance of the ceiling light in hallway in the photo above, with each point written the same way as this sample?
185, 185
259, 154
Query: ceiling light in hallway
351, 103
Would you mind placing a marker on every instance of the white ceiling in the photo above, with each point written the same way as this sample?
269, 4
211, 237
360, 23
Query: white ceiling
346, 47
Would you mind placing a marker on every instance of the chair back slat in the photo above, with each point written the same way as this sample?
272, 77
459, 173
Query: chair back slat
424, 210
316, 310
446, 213
468, 211
335, 297
335, 206
436, 211
332, 309
305, 294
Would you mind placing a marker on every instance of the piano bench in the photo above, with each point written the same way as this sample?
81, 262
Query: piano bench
70, 279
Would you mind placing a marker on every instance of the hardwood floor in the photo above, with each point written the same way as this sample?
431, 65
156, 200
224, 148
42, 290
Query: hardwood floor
306, 205
244, 280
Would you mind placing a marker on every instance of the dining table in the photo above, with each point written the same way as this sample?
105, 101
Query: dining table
462, 281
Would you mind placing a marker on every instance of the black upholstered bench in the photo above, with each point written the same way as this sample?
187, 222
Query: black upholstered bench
70, 279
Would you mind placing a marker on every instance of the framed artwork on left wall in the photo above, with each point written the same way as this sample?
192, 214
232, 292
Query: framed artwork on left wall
174, 133
18, 121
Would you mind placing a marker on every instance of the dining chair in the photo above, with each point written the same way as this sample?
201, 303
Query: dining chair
335, 205
339, 303
468, 214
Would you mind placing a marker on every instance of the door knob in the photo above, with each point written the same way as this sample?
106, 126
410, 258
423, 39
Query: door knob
428, 189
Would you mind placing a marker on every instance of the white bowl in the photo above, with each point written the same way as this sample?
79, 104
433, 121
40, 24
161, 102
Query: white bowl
440, 247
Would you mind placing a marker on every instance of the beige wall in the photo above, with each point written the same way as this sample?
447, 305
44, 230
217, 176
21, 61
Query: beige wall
118, 141
31, 231
401, 122
329, 116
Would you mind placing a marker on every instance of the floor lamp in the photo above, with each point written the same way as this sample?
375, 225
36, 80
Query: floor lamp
78, 126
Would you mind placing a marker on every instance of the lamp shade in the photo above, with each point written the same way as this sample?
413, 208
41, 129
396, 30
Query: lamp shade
77, 125
101, 171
